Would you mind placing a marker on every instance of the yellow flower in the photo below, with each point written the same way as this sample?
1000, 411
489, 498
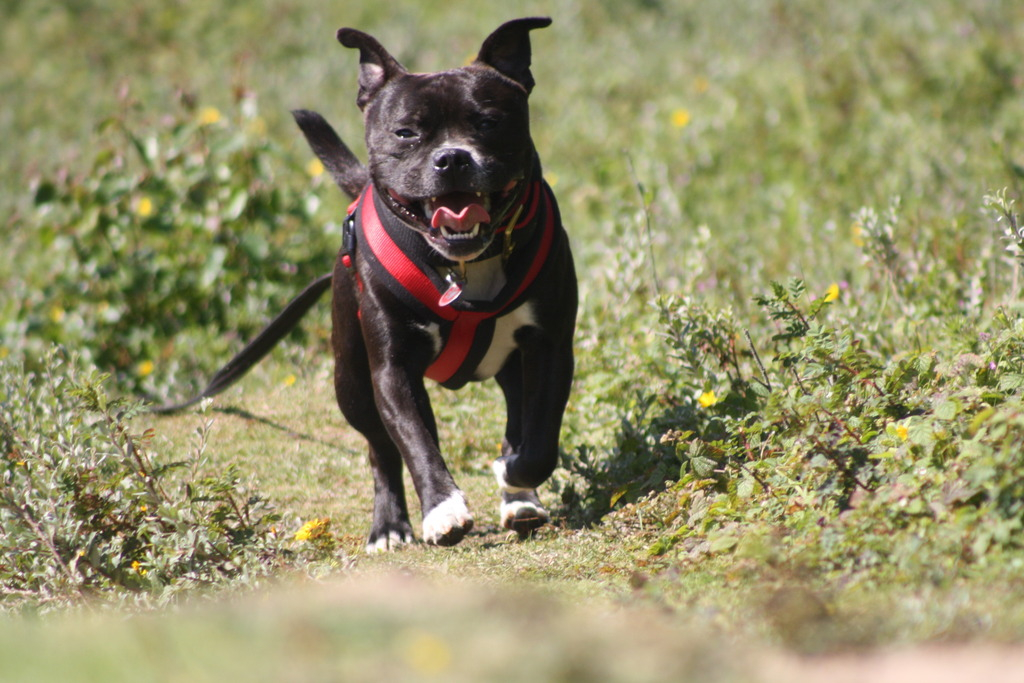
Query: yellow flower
427, 654
707, 399
857, 234
208, 116
137, 567
313, 528
315, 168
681, 118
289, 380
4, 352
56, 314
144, 207
832, 293
902, 432
144, 368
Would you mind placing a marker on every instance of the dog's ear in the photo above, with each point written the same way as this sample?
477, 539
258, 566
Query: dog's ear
376, 65
508, 49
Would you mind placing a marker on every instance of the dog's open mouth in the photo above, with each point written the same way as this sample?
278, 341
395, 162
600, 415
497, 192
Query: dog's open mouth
458, 215
458, 224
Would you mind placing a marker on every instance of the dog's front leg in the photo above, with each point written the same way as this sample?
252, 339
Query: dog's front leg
536, 381
404, 407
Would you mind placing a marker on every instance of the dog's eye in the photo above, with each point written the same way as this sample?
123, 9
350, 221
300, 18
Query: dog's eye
405, 133
486, 123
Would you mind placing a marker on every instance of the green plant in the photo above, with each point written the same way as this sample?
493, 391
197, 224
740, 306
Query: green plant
172, 248
847, 461
811, 436
88, 509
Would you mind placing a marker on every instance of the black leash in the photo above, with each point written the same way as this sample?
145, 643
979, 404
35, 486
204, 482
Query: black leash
350, 176
259, 347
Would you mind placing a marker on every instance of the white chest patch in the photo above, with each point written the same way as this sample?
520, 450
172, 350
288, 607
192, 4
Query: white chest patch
502, 343
504, 340
484, 281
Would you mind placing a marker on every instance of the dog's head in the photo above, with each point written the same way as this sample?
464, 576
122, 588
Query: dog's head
449, 150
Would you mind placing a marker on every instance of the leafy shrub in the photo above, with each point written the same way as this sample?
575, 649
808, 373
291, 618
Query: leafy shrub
843, 452
87, 509
178, 240
818, 437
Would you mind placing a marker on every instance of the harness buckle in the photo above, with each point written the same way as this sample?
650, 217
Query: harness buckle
348, 240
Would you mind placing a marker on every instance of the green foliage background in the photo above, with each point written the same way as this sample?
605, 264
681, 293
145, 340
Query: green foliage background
795, 225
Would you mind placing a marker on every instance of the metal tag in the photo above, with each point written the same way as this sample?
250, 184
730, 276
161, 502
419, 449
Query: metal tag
453, 292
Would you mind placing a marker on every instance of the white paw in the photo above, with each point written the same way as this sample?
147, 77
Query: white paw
392, 541
498, 466
448, 522
522, 512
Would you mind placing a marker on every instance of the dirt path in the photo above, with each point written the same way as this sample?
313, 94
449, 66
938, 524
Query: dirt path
931, 664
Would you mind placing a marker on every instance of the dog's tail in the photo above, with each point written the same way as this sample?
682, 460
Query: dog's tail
259, 347
350, 175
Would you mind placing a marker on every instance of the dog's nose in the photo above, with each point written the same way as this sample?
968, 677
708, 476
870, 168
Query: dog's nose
452, 160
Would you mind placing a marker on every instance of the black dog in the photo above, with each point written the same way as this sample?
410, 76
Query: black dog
455, 266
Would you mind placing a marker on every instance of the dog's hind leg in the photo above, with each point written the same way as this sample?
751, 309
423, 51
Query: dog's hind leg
352, 384
391, 527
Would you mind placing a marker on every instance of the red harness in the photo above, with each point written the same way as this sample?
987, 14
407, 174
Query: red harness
460, 320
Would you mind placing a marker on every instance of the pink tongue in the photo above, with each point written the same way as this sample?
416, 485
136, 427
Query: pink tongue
463, 221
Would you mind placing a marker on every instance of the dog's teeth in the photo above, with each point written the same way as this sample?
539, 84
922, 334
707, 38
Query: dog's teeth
467, 235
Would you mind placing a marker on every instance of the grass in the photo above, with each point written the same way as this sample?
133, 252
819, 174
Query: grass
401, 627
732, 501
